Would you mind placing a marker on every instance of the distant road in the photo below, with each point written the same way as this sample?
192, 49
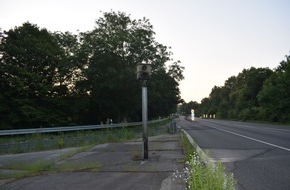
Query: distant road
257, 154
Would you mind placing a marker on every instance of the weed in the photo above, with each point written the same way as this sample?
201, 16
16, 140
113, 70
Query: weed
24, 169
60, 142
27, 169
73, 167
136, 155
203, 176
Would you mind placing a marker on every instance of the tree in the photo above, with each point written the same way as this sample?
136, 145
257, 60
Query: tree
237, 99
186, 108
69, 73
113, 49
163, 95
204, 106
29, 63
275, 94
63, 79
248, 84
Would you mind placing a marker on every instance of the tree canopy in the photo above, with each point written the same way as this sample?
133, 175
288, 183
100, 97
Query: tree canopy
53, 79
254, 94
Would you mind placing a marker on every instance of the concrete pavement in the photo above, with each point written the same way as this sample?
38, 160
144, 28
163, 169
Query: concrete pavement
106, 166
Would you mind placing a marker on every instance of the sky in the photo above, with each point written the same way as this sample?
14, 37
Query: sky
213, 39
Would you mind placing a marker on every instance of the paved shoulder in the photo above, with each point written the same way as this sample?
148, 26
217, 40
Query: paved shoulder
116, 166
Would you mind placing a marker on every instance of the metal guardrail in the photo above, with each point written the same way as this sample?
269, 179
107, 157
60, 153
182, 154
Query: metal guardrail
71, 128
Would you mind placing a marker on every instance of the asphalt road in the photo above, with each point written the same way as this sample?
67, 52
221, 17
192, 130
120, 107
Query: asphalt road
257, 154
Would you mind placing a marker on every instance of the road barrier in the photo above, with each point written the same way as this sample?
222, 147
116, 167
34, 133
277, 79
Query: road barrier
71, 128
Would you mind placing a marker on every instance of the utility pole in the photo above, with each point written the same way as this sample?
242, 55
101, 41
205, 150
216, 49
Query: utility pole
143, 74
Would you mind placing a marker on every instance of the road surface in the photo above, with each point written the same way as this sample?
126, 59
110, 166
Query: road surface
257, 154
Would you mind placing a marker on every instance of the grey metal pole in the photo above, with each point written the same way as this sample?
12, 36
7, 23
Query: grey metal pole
145, 121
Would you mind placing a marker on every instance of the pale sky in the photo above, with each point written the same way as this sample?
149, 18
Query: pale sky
213, 39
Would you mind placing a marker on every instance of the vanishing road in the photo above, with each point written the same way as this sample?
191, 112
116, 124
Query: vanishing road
257, 154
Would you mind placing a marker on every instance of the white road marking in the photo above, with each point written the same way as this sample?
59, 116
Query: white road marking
263, 128
253, 139
260, 128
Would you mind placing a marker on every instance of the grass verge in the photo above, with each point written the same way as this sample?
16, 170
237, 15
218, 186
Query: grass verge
204, 176
41, 142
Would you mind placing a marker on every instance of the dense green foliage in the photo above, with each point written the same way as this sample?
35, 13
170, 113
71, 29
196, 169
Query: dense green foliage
255, 94
53, 79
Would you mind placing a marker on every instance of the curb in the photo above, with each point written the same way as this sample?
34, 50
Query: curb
201, 153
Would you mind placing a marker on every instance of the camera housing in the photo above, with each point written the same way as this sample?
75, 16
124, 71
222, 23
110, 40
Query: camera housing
143, 71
